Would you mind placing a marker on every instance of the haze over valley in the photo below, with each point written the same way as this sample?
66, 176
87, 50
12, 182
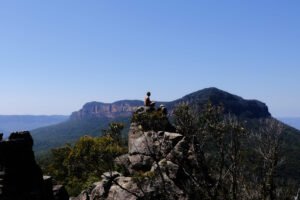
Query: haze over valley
14, 123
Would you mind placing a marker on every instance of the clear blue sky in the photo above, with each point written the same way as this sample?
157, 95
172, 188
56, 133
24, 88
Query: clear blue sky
57, 55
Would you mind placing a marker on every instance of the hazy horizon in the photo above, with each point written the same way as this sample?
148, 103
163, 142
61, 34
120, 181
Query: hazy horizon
56, 56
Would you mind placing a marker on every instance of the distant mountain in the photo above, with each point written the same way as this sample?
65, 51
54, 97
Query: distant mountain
12, 123
95, 116
291, 121
232, 103
107, 110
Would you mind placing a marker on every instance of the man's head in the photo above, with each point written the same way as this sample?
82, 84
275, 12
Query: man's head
148, 94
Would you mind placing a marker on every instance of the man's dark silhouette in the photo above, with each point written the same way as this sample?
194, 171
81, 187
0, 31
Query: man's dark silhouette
148, 102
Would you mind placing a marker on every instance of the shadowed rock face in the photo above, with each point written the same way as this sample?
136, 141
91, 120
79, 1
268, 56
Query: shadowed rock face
20, 176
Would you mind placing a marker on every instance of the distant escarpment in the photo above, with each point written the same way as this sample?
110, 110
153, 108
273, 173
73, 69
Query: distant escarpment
95, 116
232, 104
106, 110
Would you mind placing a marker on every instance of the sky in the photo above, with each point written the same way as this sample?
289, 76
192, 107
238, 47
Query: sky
57, 55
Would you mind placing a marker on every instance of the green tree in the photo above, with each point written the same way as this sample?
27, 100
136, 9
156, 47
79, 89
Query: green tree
58, 165
114, 131
154, 120
83, 163
184, 120
216, 140
269, 140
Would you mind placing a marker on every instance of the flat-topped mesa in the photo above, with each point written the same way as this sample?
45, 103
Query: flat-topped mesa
21, 177
106, 110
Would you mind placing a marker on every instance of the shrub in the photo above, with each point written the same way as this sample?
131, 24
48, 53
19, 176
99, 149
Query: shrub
153, 120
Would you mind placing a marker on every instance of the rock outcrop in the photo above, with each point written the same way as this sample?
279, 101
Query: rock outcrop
20, 176
152, 169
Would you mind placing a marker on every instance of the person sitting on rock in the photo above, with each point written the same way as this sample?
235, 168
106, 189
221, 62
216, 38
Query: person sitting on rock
148, 102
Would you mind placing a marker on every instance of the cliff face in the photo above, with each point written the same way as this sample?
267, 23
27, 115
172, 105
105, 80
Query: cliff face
106, 110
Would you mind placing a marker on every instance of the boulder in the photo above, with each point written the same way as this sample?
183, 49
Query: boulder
122, 160
99, 193
168, 168
125, 188
140, 162
151, 142
174, 137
